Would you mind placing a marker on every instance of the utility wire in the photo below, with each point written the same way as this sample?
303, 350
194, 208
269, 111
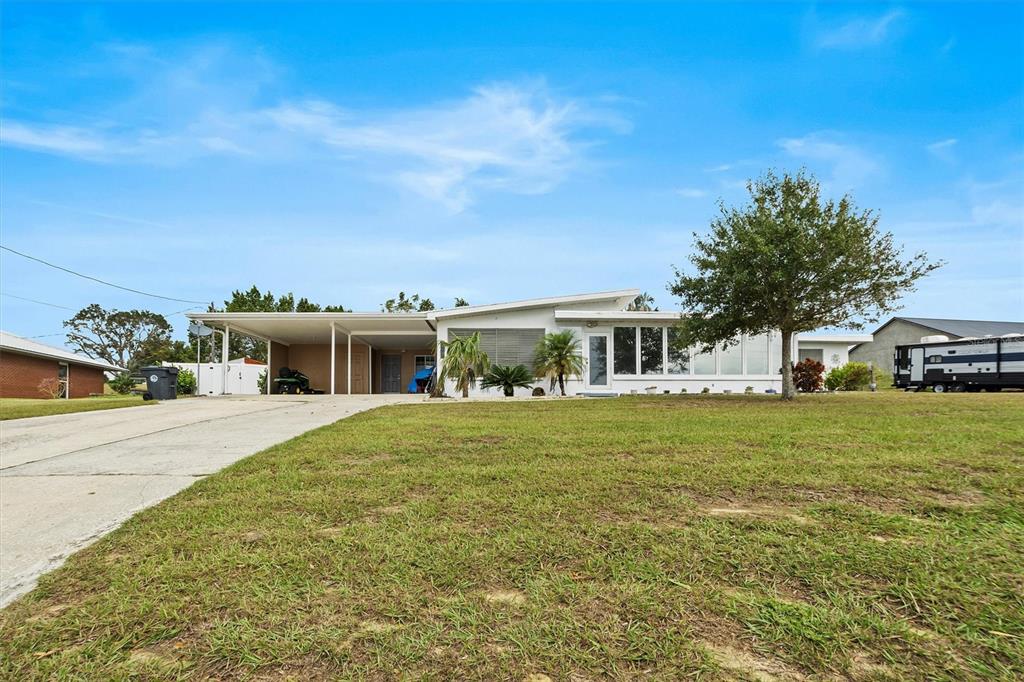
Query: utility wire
32, 300
95, 279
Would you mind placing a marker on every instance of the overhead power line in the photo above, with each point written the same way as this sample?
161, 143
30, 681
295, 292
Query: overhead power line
96, 279
32, 300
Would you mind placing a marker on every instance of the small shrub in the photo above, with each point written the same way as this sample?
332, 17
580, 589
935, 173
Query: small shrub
507, 378
51, 387
123, 383
853, 376
749, 390
807, 375
705, 390
538, 392
186, 382
261, 382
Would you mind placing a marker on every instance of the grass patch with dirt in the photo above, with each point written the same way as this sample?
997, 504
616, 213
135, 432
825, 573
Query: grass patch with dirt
19, 408
851, 536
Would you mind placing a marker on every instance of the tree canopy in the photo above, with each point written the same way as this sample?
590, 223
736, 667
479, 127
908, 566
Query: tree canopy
790, 262
126, 338
253, 300
412, 304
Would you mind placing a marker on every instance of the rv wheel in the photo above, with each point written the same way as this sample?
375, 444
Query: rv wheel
939, 388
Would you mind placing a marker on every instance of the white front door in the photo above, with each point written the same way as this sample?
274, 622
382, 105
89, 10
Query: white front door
596, 355
916, 364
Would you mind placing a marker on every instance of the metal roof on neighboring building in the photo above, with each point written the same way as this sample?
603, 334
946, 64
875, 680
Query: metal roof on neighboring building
12, 343
964, 327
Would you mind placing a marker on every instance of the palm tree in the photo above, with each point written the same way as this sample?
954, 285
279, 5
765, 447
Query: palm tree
643, 302
507, 378
463, 362
557, 357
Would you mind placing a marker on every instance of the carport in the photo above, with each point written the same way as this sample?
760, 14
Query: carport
353, 353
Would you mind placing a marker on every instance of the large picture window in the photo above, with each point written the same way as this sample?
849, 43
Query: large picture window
652, 350
730, 359
625, 350
678, 357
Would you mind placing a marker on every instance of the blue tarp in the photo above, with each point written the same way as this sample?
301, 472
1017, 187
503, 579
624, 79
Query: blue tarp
421, 376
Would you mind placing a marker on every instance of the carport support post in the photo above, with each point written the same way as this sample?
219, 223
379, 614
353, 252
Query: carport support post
269, 348
348, 365
333, 353
224, 360
369, 357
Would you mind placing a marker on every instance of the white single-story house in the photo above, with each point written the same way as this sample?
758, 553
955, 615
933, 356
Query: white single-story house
623, 351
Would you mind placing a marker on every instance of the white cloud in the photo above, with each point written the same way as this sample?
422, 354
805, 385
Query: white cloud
53, 139
943, 149
520, 138
848, 165
859, 32
691, 192
507, 137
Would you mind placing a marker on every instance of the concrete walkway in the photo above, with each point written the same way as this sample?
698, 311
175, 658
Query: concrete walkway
66, 480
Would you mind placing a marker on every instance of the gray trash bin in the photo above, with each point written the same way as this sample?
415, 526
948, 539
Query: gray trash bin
161, 383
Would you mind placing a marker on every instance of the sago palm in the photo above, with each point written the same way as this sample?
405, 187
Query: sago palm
507, 378
557, 357
463, 362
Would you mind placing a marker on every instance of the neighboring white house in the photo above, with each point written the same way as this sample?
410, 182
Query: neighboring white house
623, 351
242, 376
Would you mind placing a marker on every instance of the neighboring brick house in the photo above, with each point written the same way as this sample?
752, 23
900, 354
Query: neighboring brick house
901, 331
25, 364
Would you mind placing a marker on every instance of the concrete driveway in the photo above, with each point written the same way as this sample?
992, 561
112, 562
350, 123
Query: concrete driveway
65, 480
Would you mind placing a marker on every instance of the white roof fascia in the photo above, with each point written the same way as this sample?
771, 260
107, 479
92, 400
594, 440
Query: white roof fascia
835, 338
631, 315
535, 303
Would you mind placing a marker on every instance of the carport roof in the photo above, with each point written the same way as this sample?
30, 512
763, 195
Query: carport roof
289, 328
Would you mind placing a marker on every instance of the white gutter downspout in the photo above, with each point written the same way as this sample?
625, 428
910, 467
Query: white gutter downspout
348, 364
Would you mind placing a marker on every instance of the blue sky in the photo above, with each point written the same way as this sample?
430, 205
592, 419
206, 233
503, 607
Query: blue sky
495, 152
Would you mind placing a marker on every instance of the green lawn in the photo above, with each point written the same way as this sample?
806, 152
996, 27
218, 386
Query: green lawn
17, 408
851, 536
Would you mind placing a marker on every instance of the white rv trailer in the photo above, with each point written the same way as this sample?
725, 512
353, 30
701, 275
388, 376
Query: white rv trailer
967, 364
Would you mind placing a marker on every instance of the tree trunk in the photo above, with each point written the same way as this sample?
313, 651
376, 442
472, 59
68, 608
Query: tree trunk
465, 390
561, 383
788, 390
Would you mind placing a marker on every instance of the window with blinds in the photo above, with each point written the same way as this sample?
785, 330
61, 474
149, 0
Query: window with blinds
505, 346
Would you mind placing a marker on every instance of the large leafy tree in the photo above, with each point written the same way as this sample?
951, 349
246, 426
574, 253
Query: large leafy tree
401, 304
791, 261
557, 357
463, 362
127, 338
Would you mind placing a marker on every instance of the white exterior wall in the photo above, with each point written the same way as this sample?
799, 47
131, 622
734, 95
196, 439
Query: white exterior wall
544, 318
242, 377
833, 353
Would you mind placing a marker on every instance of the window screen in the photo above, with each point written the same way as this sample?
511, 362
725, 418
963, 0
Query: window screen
505, 346
625, 350
651, 350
